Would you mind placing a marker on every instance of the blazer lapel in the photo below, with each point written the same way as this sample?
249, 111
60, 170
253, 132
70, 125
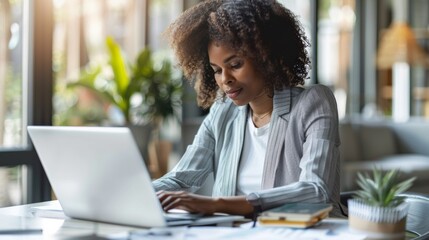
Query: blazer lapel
227, 182
282, 104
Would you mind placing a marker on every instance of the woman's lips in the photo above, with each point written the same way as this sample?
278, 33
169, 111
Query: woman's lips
233, 93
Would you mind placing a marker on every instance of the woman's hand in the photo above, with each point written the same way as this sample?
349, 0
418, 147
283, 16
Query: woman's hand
237, 205
187, 201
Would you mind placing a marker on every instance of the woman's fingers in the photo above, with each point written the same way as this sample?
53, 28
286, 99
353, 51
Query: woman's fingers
185, 201
178, 202
170, 200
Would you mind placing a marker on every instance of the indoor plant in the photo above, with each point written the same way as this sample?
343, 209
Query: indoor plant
160, 93
146, 92
377, 208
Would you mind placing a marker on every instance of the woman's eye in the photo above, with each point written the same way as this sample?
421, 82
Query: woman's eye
217, 71
236, 65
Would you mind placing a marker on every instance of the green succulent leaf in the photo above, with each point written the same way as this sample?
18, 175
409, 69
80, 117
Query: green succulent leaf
382, 188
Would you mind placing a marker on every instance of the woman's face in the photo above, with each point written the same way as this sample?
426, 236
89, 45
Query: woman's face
236, 75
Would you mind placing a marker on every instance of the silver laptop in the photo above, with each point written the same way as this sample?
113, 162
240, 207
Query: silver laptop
98, 174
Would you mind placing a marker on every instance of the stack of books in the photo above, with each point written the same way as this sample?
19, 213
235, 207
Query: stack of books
296, 215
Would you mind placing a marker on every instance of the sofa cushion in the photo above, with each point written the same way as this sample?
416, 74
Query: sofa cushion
377, 141
350, 150
409, 165
412, 137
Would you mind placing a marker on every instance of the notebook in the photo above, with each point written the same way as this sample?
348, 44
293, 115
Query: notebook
296, 215
98, 174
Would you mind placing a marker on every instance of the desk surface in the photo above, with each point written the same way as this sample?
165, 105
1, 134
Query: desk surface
56, 226
53, 224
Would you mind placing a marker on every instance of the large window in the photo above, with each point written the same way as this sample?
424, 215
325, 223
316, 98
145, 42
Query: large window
11, 74
12, 99
20, 170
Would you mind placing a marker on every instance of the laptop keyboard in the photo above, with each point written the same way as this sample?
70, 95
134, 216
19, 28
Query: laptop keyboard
182, 216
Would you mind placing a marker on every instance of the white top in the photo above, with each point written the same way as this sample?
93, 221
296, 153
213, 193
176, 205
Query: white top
252, 160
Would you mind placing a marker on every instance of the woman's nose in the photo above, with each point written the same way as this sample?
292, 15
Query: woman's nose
226, 77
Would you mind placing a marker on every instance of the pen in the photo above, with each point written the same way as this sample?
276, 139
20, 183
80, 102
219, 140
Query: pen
19, 231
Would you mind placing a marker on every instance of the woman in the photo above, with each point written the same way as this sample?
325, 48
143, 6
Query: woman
267, 140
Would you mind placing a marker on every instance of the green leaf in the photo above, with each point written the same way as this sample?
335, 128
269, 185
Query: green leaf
119, 68
382, 189
87, 77
160, 91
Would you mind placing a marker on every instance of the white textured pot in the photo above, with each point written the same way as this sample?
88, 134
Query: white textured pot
377, 222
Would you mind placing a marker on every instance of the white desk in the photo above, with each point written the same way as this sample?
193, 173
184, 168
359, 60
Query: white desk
54, 226
57, 226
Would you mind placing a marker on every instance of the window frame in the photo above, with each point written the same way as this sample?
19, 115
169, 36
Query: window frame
37, 96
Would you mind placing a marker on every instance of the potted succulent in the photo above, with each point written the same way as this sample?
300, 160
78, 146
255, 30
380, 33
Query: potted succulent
145, 92
377, 210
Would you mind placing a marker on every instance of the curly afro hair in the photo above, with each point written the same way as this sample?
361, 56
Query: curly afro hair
263, 31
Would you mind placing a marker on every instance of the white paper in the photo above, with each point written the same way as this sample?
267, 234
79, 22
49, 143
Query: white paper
257, 233
49, 211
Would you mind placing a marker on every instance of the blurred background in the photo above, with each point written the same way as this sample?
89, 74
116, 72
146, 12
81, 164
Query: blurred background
60, 64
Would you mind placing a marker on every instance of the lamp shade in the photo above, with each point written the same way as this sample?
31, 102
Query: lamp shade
398, 44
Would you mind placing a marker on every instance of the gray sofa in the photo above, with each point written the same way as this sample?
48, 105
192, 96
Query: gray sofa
386, 145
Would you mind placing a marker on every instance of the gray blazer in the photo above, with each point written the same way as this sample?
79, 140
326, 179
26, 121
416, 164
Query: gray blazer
302, 158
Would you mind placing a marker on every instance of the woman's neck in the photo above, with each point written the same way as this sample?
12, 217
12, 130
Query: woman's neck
261, 111
262, 105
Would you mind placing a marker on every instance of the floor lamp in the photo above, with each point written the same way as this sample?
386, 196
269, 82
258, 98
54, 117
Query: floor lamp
399, 50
